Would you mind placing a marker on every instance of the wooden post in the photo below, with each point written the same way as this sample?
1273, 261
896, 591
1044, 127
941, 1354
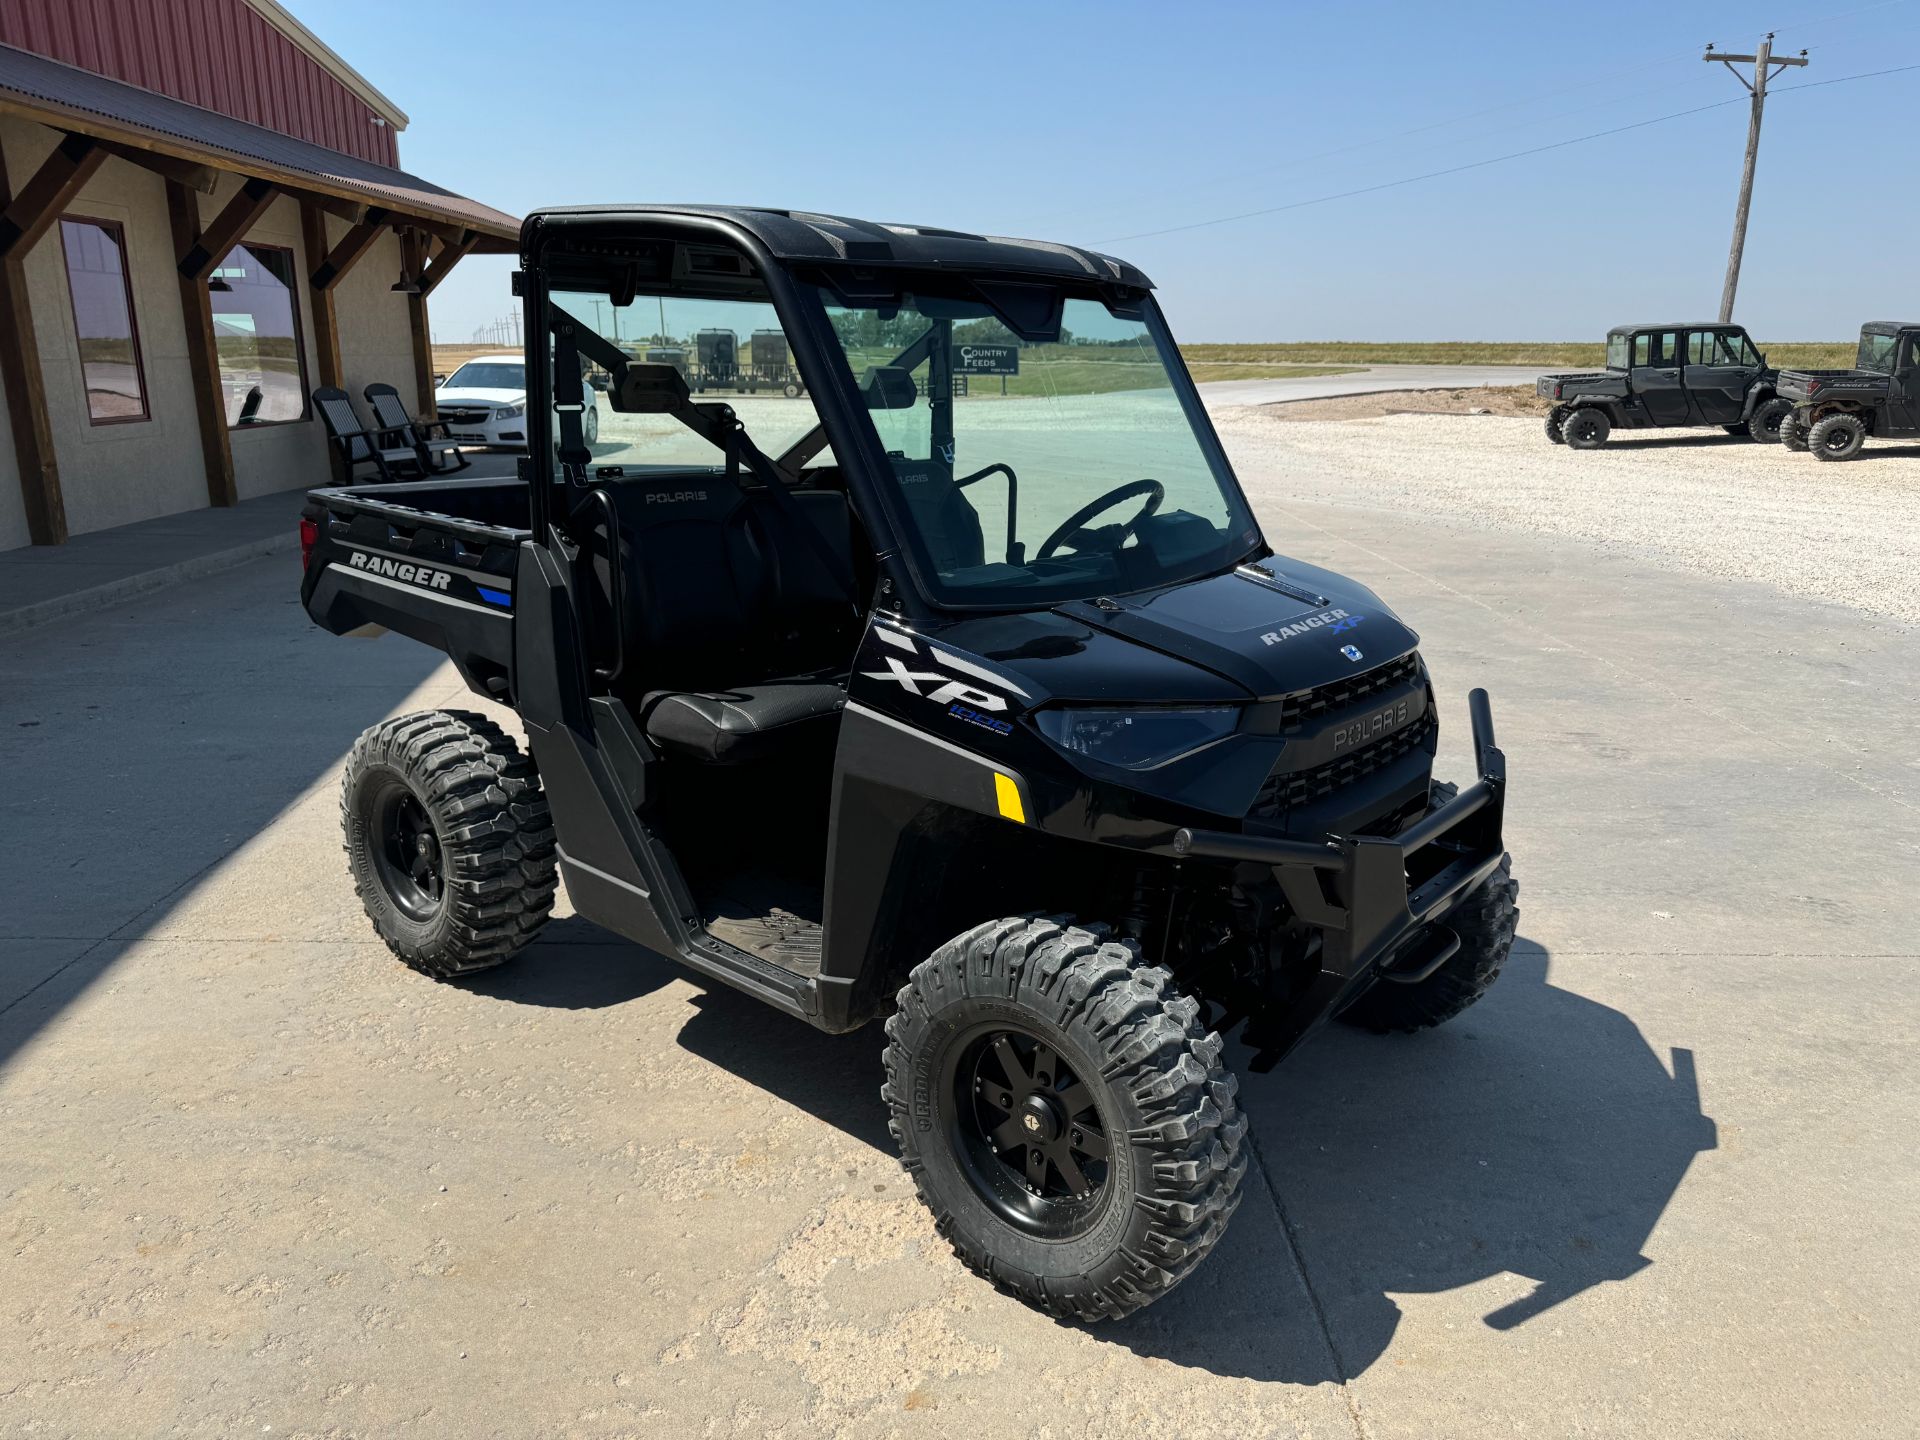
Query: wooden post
26, 391
412, 267
443, 263
1764, 63
326, 334
203, 357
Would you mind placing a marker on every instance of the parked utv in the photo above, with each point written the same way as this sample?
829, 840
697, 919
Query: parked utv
1663, 376
997, 717
1834, 411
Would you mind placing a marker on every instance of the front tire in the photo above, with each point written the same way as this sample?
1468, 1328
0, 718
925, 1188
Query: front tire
1485, 921
1764, 423
1587, 428
1837, 437
448, 840
1064, 1115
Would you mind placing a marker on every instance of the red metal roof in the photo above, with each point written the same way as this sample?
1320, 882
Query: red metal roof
222, 55
79, 100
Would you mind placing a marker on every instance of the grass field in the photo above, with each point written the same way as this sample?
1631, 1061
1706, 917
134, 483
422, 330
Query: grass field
1082, 375
1819, 354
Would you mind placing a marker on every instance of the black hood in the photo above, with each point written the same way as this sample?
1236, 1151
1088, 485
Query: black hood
1259, 632
1298, 627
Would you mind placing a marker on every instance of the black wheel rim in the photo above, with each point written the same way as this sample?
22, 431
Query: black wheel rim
1027, 1132
407, 853
1839, 437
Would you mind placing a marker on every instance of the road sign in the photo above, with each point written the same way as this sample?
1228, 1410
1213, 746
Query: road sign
986, 359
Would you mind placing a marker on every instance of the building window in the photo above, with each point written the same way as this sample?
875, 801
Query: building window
110, 370
256, 333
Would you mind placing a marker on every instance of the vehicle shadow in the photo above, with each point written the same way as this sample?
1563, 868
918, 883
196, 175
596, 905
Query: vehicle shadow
1537, 1135
576, 965
1693, 440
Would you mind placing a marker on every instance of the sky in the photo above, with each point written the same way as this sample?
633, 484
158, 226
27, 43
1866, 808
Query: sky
1132, 127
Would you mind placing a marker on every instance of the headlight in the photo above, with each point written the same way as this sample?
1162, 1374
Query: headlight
510, 412
1134, 738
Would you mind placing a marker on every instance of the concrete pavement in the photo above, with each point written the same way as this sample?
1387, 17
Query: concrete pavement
257, 1174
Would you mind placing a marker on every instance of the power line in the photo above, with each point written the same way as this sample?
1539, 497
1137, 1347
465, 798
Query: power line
1482, 164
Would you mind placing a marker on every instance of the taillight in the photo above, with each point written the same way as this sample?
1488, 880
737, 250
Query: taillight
1559, 391
1813, 387
309, 537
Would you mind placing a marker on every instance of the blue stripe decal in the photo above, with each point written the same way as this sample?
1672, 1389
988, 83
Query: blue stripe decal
495, 597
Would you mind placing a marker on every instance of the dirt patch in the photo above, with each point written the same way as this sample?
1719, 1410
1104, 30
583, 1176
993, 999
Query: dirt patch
1509, 400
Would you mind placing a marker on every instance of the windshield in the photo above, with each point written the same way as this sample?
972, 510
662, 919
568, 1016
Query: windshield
732, 352
489, 375
1876, 353
1033, 472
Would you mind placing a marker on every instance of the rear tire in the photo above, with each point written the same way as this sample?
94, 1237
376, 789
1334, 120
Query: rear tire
1764, 423
1587, 428
448, 840
1485, 923
1106, 1062
1556, 418
1793, 432
1837, 437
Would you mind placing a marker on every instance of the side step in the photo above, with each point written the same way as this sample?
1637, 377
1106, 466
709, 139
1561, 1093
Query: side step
778, 937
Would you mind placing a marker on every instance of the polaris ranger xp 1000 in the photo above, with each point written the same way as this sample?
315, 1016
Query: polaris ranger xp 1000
995, 716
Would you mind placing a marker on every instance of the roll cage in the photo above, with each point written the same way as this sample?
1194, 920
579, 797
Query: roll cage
620, 252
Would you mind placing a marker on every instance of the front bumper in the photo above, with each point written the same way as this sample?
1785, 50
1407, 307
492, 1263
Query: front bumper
1379, 902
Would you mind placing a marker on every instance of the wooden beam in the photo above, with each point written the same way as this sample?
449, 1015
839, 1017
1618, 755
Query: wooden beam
52, 188
204, 178
326, 333
25, 384
203, 357
444, 262
210, 247
337, 261
354, 212
439, 229
412, 263
63, 116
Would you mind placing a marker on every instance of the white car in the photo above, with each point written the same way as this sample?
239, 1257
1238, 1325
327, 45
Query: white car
484, 402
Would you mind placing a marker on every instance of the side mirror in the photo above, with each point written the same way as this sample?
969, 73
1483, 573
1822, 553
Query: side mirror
439, 379
648, 389
600, 381
889, 387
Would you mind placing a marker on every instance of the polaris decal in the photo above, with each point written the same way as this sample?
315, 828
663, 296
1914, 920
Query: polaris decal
937, 685
1333, 622
424, 576
1372, 727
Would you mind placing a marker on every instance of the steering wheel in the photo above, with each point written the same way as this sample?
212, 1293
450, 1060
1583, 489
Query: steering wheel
1074, 523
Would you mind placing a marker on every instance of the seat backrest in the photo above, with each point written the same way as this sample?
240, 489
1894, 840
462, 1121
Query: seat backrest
697, 582
388, 411
336, 413
946, 520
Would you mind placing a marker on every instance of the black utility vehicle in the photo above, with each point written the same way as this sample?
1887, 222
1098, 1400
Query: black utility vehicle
1835, 410
996, 717
1696, 374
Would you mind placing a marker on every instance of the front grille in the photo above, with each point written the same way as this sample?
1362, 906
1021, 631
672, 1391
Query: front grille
1288, 790
457, 415
1309, 705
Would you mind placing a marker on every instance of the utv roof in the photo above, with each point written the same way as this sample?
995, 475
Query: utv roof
1888, 327
803, 235
1678, 325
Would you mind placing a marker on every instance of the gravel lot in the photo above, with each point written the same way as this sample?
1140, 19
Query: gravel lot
1689, 500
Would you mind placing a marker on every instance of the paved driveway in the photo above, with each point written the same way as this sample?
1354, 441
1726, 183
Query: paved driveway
1660, 1182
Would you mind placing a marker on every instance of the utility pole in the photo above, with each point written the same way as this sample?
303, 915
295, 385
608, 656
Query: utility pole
1766, 65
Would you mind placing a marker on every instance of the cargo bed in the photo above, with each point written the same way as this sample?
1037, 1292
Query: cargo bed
433, 560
